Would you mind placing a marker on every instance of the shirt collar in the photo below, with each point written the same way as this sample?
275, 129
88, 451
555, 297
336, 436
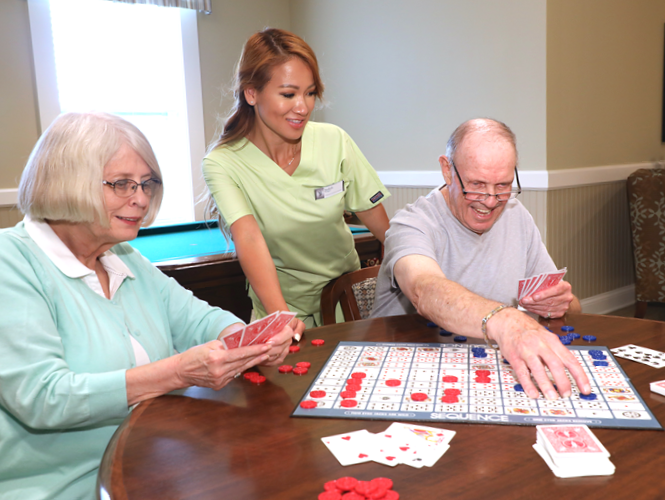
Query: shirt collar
63, 258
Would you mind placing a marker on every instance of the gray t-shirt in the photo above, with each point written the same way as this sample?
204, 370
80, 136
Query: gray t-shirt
488, 264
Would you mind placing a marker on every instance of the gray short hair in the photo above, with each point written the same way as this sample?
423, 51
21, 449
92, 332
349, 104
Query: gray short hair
478, 125
63, 177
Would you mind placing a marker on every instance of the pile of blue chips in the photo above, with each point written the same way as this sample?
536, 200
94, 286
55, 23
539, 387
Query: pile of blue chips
571, 336
478, 352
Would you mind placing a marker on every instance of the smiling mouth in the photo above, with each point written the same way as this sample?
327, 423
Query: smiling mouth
129, 219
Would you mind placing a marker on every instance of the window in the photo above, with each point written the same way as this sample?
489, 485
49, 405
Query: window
137, 61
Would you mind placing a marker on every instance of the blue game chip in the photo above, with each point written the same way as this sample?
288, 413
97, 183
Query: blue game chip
460, 338
589, 338
565, 341
601, 363
479, 354
575, 335
431, 324
588, 397
505, 361
445, 333
519, 388
567, 328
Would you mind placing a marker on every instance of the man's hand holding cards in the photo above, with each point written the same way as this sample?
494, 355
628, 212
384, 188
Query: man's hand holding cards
546, 294
259, 331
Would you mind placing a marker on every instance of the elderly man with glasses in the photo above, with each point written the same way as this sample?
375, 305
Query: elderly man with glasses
456, 255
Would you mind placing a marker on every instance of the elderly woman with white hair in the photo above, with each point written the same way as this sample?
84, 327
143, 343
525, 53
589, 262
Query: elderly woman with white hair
88, 327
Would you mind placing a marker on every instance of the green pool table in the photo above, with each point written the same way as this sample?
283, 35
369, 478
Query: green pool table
199, 258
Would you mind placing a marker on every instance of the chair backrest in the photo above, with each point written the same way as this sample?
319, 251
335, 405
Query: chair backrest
646, 196
354, 291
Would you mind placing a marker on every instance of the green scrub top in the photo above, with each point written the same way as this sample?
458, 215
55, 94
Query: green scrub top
308, 240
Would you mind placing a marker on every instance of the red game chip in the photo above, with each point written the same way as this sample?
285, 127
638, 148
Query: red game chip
358, 375
353, 387
331, 486
449, 399
449, 379
349, 403
318, 394
452, 392
299, 370
352, 495
304, 364
330, 495
391, 495
383, 482
346, 483
259, 379
378, 494
355, 381
294, 348
348, 394
482, 380
285, 369
364, 488
308, 405
318, 342
418, 396
393, 382
482, 373
249, 375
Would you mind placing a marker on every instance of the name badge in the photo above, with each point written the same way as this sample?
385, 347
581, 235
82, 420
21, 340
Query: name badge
328, 191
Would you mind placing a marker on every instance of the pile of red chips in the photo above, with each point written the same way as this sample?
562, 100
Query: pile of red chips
254, 377
349, 488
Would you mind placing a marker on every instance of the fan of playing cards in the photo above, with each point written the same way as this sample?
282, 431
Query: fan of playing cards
414, 445
259, 331
535, 284
572, 451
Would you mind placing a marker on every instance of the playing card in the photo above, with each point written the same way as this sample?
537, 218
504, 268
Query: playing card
570, 444
350, 448
549, 280
417, 445
233, 340
282, 319
650, 357
255, 328
658, 387
605, 469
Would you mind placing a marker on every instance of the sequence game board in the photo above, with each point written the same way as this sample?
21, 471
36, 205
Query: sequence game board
464, 383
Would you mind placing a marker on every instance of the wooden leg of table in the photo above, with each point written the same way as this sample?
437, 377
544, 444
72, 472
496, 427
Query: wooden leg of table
640, 309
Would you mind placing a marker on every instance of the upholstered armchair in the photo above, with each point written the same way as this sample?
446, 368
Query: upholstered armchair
646, 197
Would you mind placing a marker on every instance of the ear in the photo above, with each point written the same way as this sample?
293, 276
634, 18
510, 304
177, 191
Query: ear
250, 95
446, 169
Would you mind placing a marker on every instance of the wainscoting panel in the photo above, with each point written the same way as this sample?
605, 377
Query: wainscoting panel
401, 196
588, 231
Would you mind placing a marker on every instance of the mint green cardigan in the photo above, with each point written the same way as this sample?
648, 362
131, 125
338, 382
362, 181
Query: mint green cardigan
64, 351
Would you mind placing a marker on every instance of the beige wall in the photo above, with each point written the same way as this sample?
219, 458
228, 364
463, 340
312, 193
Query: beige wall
604, 82
402, 75
221, 37
19, 127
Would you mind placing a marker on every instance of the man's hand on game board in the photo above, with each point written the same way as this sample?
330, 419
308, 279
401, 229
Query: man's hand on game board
530, 349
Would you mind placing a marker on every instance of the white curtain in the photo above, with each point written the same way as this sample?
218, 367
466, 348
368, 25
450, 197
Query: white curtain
204, 6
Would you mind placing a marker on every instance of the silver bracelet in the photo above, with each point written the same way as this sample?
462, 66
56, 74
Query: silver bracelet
483, 326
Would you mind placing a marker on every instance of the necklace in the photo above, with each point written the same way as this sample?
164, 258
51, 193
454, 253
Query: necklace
294, 157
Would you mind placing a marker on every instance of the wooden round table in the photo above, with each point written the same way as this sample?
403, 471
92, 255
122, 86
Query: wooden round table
241, 443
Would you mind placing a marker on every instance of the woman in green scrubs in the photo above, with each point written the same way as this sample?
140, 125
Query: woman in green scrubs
281, 183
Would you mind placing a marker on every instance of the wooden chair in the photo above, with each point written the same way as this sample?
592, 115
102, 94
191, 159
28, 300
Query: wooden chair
646, 196
354, 291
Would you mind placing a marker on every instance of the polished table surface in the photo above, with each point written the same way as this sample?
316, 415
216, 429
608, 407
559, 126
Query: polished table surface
241, 443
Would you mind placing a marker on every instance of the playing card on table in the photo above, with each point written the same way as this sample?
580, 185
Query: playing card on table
658, 387
413, 445
570, 444
350, 448
651, 357
282, 319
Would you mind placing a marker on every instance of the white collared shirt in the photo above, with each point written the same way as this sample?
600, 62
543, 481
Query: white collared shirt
63, 258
